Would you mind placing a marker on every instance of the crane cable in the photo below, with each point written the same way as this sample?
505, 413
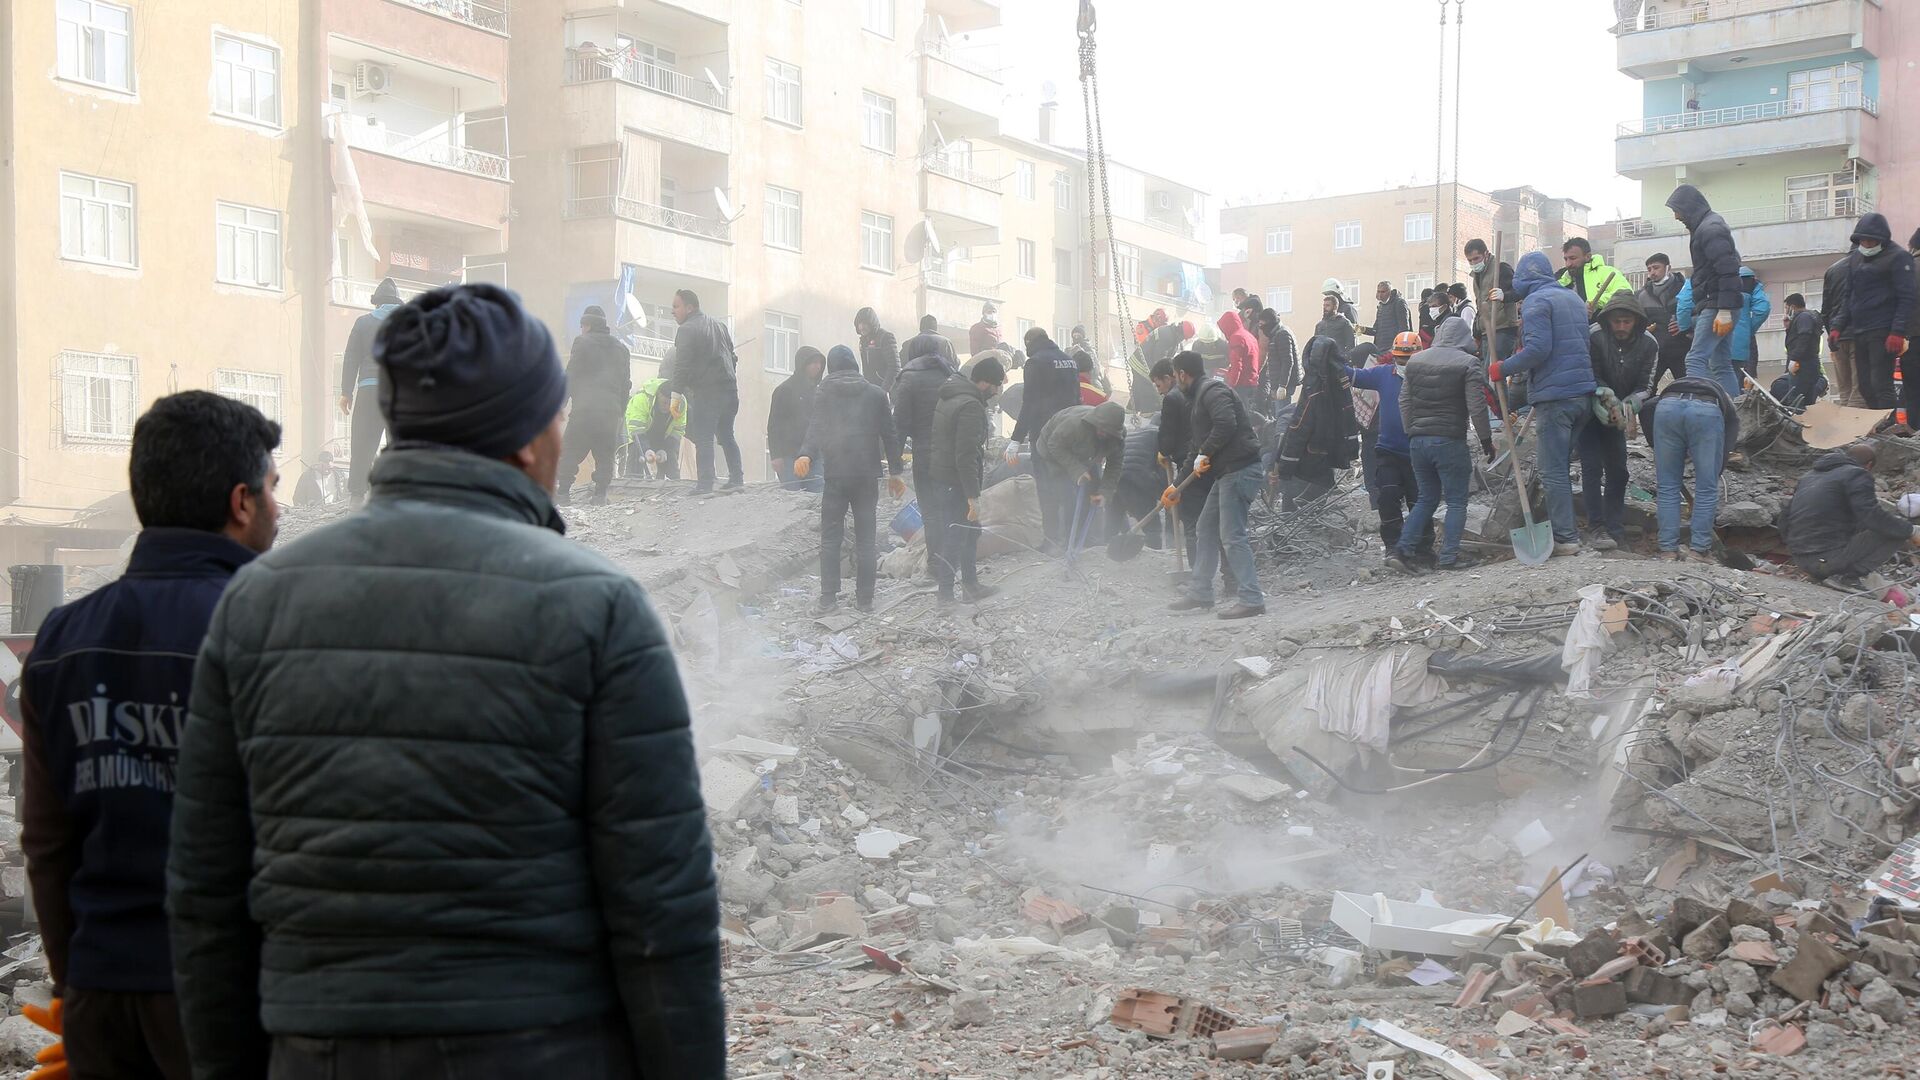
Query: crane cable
1459, 70
1097, 175
1439, 134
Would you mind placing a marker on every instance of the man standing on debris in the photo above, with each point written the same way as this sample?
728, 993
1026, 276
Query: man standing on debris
1879, 301
789, 414
1050, 381
879, 352
1833, 298
1624, 356
984, 334
926, 369
1390, 319
703, 369
1176, 423
599, 375
1243, 358
437, 811
1224, 446
1589, 275
99, 701
1084, 446
1392, 467
1659, 299
1803, 383
359, 381
656, 422
1444, 389
1691, 420
1322, 434
1493, 291
1835, 528
850, 435
1715, 289
1553, 351
929, 342
1280, 371
1334, 326
956, 456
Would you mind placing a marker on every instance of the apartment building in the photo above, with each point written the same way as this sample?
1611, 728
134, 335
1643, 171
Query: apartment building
153, 189
1793, 116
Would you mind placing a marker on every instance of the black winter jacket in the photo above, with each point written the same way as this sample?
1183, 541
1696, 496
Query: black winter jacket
1222, 432
957, 449
1280, 370
1141, 477
438, 779
1444, 388
1322, 431
789, 413
1338, 329
1803, 338
851, 432
915, 394
1051, 382
1627, 369
1176, 426
599, 374
1834, 501
1880, 290
929, 343
1833, 298
880, 359
1658, 303
1390, 320
1716, 261
704, 358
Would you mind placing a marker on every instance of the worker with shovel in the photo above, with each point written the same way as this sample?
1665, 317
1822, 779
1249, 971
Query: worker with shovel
1442, 391
1224, 445
1085, 446
1553, 351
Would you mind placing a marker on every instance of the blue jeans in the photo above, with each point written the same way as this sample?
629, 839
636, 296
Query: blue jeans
1223, 522
1443, 466
1559, 424
1686, 428
1711, 356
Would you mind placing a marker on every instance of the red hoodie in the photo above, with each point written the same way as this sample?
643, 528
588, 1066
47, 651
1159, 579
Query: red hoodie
1243, 353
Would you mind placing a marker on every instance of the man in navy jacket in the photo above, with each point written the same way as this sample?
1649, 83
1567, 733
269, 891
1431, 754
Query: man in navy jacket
1553, 349
104, 698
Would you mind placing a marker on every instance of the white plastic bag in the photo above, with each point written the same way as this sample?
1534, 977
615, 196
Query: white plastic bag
1587, 642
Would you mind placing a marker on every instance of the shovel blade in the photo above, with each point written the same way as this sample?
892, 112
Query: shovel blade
1533, 544
1124, 547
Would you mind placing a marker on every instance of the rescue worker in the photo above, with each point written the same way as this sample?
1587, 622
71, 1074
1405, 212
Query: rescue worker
1835, 528
1280, 371
1659, 301
1050, 382
1625, 355
1554, 354
656, 422
929, 342
956, 454
1878, 304
1391, 319
1715, 293
789, 415
1803, 384
1224, 445
1691, 420
1243, 358
851, 434
879, 351
1393, 472
359, 388
1084, 445
1443, 392
599, 377
1493, 291
1589, 276
704, 369
1833, 298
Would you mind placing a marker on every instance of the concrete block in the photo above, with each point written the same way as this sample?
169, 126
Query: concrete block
1645, 985
1599, 999
1814, 962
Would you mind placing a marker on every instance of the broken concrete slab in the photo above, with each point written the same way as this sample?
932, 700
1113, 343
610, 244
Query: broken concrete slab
1596, 1000
1244, 1044
1814, 962
1707, 940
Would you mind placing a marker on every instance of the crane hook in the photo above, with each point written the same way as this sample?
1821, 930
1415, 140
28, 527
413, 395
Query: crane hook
1089, 22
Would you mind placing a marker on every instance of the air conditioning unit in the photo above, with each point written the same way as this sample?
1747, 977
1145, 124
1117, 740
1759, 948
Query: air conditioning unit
372, 80
1163, 200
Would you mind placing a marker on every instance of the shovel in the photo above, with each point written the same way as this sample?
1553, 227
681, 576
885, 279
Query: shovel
1124, 547
1532, 543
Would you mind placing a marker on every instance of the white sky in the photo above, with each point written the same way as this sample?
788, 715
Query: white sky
1344, 90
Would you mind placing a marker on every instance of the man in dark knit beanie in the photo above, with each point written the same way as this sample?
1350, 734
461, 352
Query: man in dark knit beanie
436, 810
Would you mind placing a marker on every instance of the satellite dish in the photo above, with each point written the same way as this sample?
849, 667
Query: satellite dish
933, 238
636, 315
1048, 91
941, 21
727, 212
939, 137
719, 91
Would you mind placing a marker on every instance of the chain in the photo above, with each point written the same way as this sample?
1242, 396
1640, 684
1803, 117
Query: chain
1459, 69
1439, 135
1097, 172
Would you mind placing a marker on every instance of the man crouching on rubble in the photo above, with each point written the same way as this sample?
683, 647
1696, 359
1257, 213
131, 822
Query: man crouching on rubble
437, 811
1835, 528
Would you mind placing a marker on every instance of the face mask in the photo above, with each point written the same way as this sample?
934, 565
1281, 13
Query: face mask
1476, 267
1434, 312
1869, 250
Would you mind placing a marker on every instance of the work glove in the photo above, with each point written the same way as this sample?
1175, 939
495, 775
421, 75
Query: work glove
973, 509
1896, 345
1162, 459
1833, 340
897, 486
1496, 295
52, 1059
1170, 497
676, 408
1202, 464
1487, 449
802, 466
1493, 371
1722, 323
1793, 367
1013, 455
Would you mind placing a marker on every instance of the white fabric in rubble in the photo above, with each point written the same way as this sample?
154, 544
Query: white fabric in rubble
1587, 642
1354, 698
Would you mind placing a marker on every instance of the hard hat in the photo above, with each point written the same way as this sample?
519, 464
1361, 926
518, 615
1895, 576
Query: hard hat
1406, 343
1333, 287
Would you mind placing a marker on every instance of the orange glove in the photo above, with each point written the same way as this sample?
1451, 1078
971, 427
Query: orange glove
1097, 499
1723, 323
1896, 345
1793, 368
52, 1059
897, 486
1170, 497
1202, 464
1493, 371
676, 408
973, 509
802, 466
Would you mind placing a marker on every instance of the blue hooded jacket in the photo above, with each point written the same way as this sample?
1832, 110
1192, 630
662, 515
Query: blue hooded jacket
1553, 342
1755, 306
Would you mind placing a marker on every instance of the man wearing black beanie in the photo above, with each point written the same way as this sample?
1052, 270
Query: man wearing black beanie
436, 811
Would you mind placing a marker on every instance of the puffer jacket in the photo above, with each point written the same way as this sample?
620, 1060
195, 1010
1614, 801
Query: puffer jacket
1338, 329
704, 358
1716, 261
915, 394
1391, 319
645, 409
929, 343
1078, 439
1220, 429
599, 372
1050, 382
789, 414
880, 358
1553, 336
851, 431
1176, 424
1880, 291
438, 779
1833, 502
958, 446
1281, 371
1833, 297
1141, 477
1444, 387
1626, 368
1322, 431
1658, 302
1243, 353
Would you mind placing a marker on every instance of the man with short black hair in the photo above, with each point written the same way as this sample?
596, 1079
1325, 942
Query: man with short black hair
599, 377
1590, 276
1280, 369
704, 370
1390, 319
1224, 446
1493, 291
1835, 527
879, 352
1050, 382
1804, 383
929, 342
1659, 300
102, 700
437, 809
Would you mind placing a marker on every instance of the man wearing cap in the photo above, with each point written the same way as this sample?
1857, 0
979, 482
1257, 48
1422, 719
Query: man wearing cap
437, 812
849, 435
599, 375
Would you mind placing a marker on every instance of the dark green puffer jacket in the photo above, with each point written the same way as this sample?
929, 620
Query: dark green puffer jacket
438, 779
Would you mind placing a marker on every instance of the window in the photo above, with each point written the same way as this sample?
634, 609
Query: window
1821, 195
1280, 299
1023, 178
96, 220
1835, 87
1062, 336
1351, 290
96, 43
1024, 325
1280, 240
1063, 267
880, 17
783, 218
97, 393
1346, 236
876, 122
246, 246
783, 340
1062, 190
1414, 229
255, 388
1128, 257
246, 80
1029, 259
1416, 284
876, 241
783, 92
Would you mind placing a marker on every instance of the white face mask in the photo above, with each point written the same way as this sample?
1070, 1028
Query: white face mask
1476, 267
1434, 312
1869, 250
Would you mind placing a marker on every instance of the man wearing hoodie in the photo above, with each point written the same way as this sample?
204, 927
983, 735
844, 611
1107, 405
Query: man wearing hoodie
1390, 319
1589, 275
849, 436
360, 388
1659, 299
1493, 291
1280, 373
879, 352
1715, 290
1084, 446
925, 369
1443, 391
1553, 353
704, 367
1879, 302
1624, 357
956, 454
1833, 298
1243, 358
1223, 446
1050, 382
1835, 527
1392, 465
789, 415
599, 375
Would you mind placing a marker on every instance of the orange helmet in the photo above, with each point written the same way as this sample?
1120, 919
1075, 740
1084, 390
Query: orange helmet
1406, 344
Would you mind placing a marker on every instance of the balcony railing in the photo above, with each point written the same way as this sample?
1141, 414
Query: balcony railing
351, 292
432, 147
961, 171
647, 347
1743, 114
980, 59
485, 14
1702, 12
599, 65
1177, 228
589, 206
939, 278
1815, 208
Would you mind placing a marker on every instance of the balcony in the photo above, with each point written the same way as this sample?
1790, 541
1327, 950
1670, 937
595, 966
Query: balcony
954, 299
662, 238
965, 206
442, 145
1710, 34
464, 36
962, 87
488, 15
1818, 227
965, 15
678, 107
1703, 137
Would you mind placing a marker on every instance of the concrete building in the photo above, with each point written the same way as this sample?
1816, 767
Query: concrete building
1793, 116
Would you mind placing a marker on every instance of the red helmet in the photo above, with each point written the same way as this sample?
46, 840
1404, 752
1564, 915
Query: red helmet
1406, 343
